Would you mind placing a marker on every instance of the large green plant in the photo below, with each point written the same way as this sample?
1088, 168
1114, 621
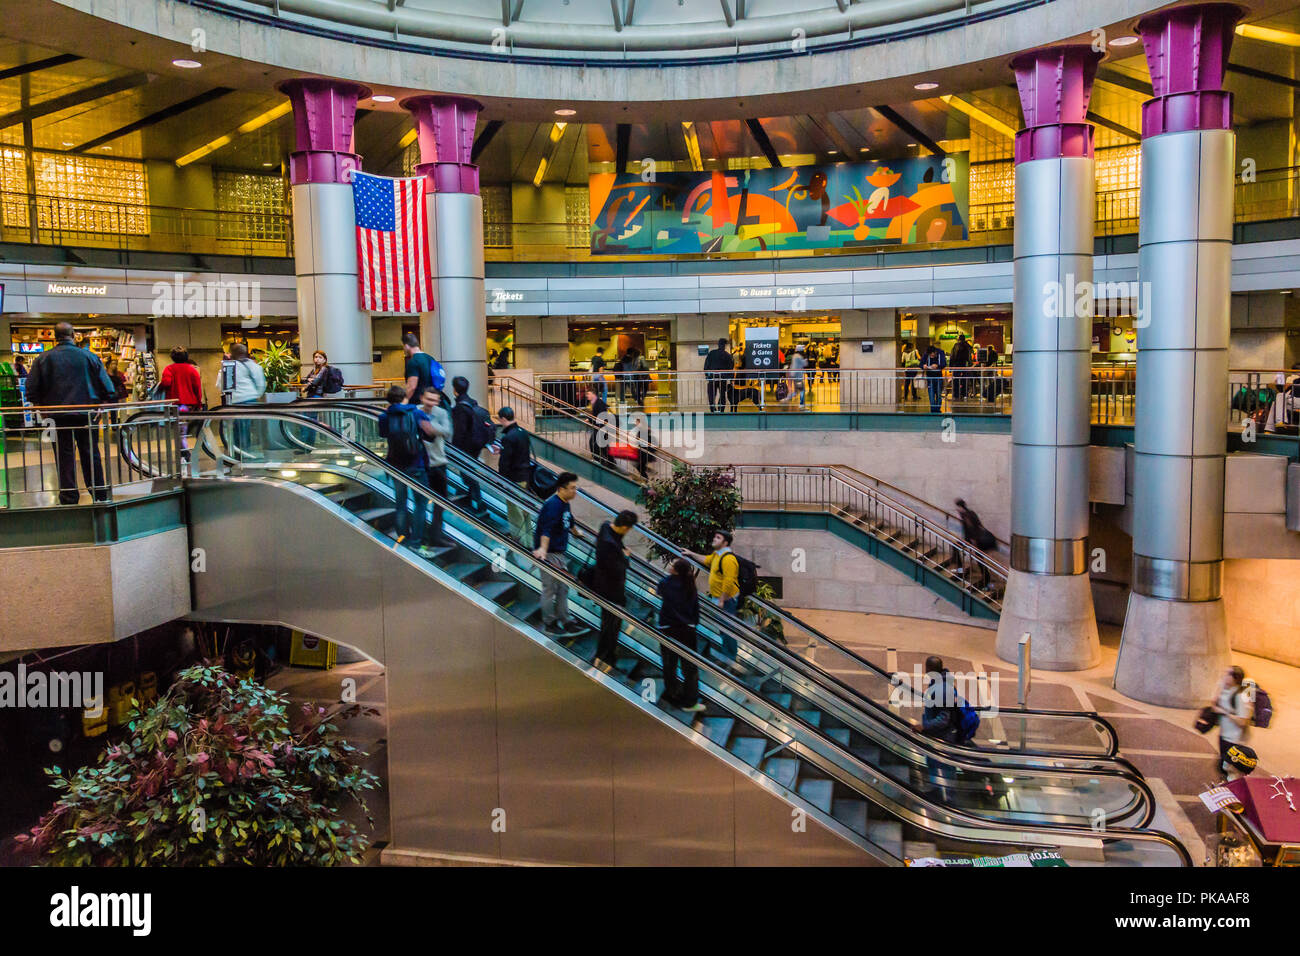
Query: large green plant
215, 772
279, 365
691, 504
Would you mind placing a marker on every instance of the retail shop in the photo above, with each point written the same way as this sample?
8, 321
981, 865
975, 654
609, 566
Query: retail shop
115, 339
652, 340
982, 329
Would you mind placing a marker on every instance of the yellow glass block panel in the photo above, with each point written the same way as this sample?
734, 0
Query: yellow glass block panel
251, 206
90, 194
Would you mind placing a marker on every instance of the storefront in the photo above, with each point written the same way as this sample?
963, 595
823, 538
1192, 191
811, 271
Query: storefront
819, 334
121, 343
981, 329
652, 340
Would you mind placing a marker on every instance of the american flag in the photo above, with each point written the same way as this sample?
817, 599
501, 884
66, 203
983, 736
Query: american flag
393, 260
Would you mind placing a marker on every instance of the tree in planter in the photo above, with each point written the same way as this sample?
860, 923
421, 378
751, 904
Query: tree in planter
214, 773
691, 504
279, 365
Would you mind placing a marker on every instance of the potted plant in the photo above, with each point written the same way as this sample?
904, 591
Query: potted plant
691, 504
215, 772
280, 366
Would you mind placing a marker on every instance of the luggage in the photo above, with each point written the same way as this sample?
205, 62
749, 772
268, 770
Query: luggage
624, 451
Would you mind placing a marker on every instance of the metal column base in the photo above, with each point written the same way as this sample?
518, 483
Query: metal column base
1173, 652
1056, 610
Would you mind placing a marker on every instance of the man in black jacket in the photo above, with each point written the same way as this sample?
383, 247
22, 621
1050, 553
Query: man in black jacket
68, 375
609, 580
515, 464
463, 414
961, 358
718, 365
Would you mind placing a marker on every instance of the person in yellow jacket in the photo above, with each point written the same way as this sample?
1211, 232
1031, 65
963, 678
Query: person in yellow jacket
724, 581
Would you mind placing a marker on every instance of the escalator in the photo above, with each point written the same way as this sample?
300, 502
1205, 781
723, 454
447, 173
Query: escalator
866, 781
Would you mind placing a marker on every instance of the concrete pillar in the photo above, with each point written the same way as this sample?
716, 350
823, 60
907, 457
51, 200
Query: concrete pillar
325, 226
1048, 594
542, 344
689, 332
458, 324
1175, 641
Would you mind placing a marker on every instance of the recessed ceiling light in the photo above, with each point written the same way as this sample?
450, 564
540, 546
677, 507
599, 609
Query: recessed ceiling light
864, 149
927, 85
833, 152
187, 64
910, 145
1124, 41
107, 149
566, 112
268, 164
383, 98
67, 142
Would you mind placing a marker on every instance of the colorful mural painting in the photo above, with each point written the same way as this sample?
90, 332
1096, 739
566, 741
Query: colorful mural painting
804, 207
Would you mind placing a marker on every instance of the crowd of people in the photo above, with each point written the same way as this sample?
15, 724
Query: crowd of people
729, 380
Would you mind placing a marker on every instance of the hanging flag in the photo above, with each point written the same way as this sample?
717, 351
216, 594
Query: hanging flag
393, 260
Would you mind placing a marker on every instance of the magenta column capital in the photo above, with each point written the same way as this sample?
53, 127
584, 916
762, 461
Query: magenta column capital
1187, 52
1055, 84
445, 131
324, 117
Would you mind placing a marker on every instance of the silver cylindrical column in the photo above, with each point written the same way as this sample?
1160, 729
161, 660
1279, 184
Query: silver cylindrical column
325, 264
458, 295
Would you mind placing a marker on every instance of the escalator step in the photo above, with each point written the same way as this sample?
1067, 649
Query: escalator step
782, 699
525, 608
840, 735
916, 850
717, 729
784, 770
851, 812
749, 749
321, 486
813, 717
887, 834
377, 515
495, 590
819, 793
867, 754
626, 665
343, 493
465, 569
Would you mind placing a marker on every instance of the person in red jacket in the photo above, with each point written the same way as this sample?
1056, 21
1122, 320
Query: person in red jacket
181, 383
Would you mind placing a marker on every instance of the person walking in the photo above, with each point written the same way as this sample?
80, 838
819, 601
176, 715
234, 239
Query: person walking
248, 386
121, 392
422, 370
798, 375
974, 532
602, 433
934, 364
70, 375
550, 542
406, 426
724, 582
960, 361
911, 369
609, 581
640, 375
598, 379
718, 367
435, 453
1235, 710
181, 383
515, 464
324, 381
471, 431
679, 616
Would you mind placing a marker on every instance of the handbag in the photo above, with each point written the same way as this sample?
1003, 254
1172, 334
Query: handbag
1205, 720
624, 451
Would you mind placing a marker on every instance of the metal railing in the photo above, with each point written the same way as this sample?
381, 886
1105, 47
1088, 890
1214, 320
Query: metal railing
962, 391
71, 454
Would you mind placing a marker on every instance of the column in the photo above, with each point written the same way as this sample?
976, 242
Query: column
324, 225
458, 324
1048, 592
1175, 642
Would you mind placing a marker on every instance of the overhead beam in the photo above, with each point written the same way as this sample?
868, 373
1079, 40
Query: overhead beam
484, 138
76, 98
544, 164
843, 5
622, 143
1264, 75
828, 130
972, 111
760, 137
726, 12
176, 109
1113, 126
740, 9
38, 65
256, 123
692, 146
1131, 83
891, 114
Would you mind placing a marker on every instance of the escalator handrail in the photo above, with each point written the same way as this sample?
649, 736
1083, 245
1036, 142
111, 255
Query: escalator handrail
839, 762
905, 736
1112, 749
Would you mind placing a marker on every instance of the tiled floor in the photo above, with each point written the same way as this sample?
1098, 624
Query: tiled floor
1159, 740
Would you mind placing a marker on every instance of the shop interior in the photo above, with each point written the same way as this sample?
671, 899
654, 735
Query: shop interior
128, 344
651, 339
821, 331
501, 344
980, 328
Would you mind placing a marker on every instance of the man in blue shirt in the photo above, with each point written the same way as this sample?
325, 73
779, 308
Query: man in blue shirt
406, 426
422, 370
550, 541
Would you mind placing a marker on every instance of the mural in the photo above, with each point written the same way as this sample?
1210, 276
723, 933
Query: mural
836, 206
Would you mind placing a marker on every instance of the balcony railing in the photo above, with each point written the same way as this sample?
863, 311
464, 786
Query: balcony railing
60, 221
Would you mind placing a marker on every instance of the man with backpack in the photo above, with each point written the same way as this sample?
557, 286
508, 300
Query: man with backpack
946, 716
1240, 706
422, 369
608, 578
515, 464
550, 542
726, 587
471, 431
406, 427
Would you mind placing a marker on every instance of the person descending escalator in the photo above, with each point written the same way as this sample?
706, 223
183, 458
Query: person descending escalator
679, 616
406, 427
515, 464
608, 578
471, 431
946, 716
550, 544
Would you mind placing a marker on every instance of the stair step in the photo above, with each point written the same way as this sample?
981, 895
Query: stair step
525, 607
749, 749
376, 515
495, 590
867, 754
820, 793
784, 770
813, 717
841, 735
782, 699
717, 729
851, 812
463, 570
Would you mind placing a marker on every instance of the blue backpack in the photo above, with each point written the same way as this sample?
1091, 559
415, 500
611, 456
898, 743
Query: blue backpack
966, 723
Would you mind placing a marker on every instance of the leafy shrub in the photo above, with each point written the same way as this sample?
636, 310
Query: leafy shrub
279, 365
691, 504
213, 773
